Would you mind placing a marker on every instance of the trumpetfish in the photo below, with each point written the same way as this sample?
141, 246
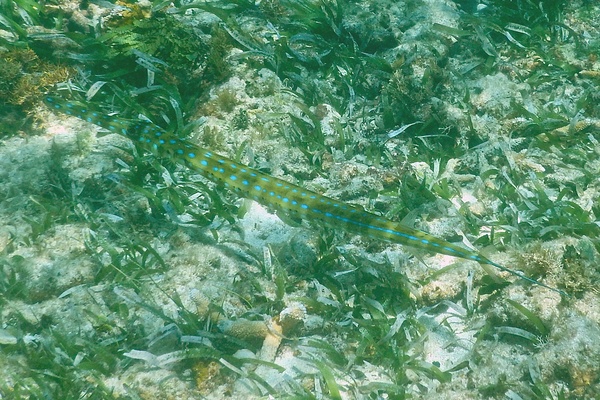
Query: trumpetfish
273, 192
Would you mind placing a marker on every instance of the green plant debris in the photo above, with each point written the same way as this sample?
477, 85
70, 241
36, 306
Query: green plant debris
125, 274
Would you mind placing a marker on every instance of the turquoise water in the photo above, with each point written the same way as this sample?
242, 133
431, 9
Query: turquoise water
125, 273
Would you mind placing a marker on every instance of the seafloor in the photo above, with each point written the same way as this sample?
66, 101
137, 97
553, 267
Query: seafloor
475, 127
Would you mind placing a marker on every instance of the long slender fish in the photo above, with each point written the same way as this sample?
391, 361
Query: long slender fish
273, 192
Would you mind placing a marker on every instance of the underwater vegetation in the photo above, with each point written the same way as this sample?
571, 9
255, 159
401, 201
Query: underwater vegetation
125, 273
23, 75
